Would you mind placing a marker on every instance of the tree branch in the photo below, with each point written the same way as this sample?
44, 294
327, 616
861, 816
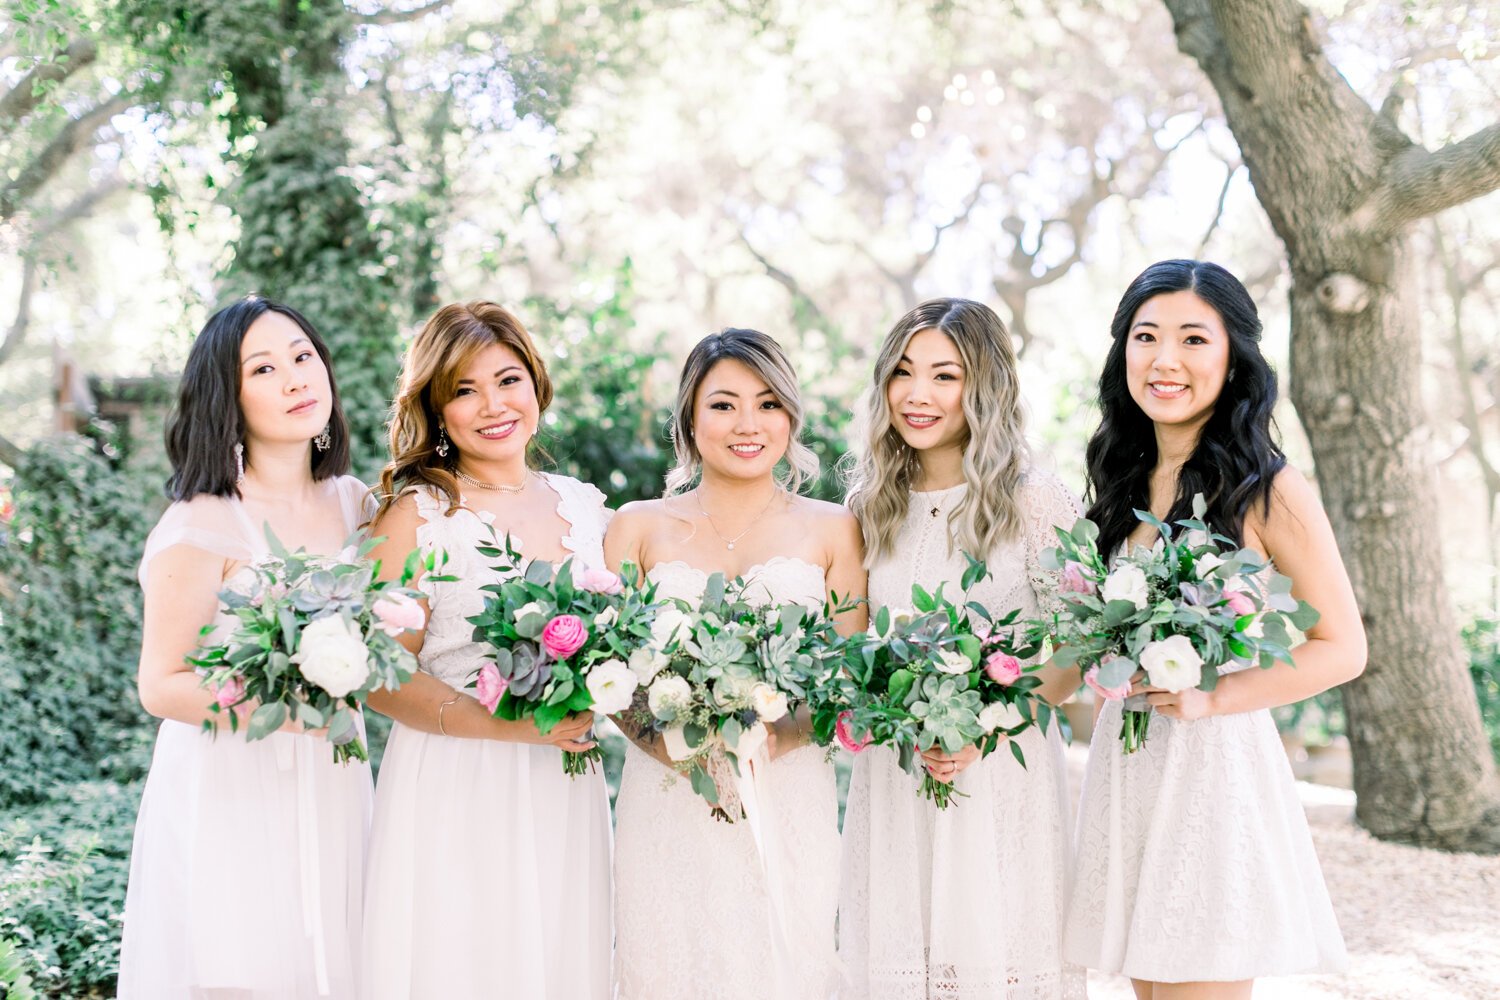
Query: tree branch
31, 88
55, 153
10, 452
397, 16
1419, 183
17, 331
788, 282
1233, 168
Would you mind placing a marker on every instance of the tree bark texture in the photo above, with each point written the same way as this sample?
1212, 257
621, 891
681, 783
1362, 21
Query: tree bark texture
1341, 184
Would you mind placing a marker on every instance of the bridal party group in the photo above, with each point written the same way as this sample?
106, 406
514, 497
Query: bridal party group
477, 868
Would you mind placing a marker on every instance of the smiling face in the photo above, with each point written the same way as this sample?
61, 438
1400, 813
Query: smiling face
285, 394
740, 427
494, 412
925, 394
1176, 359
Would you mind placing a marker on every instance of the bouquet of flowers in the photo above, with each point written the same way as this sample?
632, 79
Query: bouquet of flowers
1181, 610
717, 675
315, 635
561, 641
943, 674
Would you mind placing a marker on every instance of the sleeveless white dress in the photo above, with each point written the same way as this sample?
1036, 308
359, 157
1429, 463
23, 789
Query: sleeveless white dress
246, 867
489, 867
692, 911
965, 903
1194, 859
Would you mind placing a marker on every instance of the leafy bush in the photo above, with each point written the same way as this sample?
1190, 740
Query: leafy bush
63, 892
1482, 641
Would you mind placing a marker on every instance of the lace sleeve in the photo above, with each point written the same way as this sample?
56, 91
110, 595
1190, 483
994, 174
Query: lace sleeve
582, 506
204, 522
1048, 504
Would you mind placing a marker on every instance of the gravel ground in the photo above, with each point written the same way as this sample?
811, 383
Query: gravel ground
1419, 924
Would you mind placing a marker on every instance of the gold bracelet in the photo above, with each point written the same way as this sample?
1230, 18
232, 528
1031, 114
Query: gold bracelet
444, 705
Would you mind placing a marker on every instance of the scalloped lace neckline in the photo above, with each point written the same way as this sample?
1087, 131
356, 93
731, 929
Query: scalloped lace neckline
749, 572
487, 518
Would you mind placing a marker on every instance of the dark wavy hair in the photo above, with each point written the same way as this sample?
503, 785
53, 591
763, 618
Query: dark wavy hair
208, 421
1237, 456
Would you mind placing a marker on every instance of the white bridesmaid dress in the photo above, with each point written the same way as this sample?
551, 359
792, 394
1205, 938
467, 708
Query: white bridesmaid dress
692, 903
246, 868
965, 903
488, 874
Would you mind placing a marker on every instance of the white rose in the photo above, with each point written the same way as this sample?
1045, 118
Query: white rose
669, 695
532, 608
770, 704
751, 740
647, 663
1172, 663
333, 656
1194, 539
669, 626
1000, 716
1207, 563
607, 617
676, 743
1125, 582
613, 686
951, 661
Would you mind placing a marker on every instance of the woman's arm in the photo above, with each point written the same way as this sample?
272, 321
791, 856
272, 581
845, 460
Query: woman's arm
427, 704
182, 596
1298, 538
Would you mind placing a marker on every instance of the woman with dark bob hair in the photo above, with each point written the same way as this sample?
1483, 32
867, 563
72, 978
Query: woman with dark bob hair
1196, 873
258, 442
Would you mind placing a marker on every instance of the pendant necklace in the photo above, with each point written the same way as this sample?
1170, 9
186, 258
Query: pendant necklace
729, 542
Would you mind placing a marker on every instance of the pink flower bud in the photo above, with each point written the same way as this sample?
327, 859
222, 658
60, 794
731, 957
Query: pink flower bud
231, 692
1002, 668
846, 738
1074, 581
1108, 694
396, 613
490, 686
599, 581
564, 636
1239, 603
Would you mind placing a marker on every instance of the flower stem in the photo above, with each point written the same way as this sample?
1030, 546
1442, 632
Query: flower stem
575, 764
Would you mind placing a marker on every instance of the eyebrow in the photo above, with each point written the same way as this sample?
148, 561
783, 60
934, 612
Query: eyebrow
936, 364
299, 340
1180, 326
727, 392
507, 368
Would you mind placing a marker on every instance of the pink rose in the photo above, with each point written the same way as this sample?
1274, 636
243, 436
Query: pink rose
396, 613
1003, 668
1239, 603
1073, 580
599, 581
490, 686
1108, 694
231, 692
564, 636
845, 737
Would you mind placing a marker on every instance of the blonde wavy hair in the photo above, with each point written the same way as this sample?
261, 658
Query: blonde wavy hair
434, 363
995, 454
768, 361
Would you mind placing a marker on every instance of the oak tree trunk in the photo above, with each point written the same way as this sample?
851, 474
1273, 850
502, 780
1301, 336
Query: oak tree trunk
1341, 185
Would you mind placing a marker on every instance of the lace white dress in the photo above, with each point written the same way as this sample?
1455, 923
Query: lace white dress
246, 867
489, 867
1194, 860
965, 903
692, 912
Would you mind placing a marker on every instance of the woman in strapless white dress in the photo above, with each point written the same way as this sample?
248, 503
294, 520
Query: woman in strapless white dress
1196, 870
246, 868
489, 867
694, 913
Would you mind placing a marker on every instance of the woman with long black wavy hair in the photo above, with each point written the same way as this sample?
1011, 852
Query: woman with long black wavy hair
1196, 872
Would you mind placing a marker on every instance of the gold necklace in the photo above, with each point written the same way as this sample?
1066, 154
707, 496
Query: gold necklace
497, 487
729, 542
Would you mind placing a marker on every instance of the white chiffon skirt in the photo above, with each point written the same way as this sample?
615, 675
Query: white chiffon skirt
963, 903
488, 874
246, 870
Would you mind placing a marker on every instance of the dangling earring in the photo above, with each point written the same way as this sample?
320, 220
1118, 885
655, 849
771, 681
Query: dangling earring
442, 445
323, 440
239, 464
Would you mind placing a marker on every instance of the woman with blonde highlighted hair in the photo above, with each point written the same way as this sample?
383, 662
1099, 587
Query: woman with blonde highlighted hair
489, 867
702, 910
965, 903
